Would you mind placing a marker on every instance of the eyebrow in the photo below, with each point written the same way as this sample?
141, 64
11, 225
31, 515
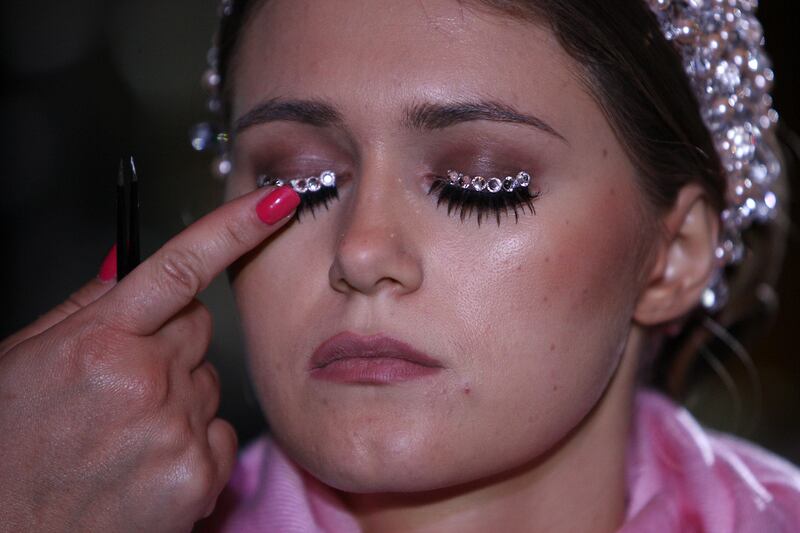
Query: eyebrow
312, 112
430, 116
423, 116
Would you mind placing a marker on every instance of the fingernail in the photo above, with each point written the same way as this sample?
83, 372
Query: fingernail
277, 205
108, 270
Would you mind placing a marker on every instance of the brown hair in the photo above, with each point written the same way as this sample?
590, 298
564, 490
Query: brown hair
636, 77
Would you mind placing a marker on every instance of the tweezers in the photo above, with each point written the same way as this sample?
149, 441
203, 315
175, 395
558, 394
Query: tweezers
128, 253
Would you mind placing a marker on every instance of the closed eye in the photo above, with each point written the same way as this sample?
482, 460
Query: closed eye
482, 204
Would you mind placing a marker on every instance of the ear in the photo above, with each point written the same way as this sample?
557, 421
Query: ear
685, 259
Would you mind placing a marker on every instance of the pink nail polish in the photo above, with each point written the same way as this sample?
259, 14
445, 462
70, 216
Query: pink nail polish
279, 204
108, 269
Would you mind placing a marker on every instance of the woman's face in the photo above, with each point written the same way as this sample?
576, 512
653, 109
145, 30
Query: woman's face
527, 320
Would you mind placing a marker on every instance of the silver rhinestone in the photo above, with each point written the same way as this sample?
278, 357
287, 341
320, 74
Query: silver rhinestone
494, 185
211, 80
203, 136
523, 179
464, 180
709, 298
728, 75
454, 177
742, 142
279, 183
328, 178
509, 183
222, 167
214, 104
262, 181
478, 183
686, 31
300, 185
770, 200
314, 184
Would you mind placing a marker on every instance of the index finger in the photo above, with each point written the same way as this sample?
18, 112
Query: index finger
172, 277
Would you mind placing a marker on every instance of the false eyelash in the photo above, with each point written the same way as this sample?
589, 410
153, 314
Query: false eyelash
310, 201
482, 204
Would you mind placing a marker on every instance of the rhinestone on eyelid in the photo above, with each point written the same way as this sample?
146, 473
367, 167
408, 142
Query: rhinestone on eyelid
310, 184
328, 179
314, 184
491, 185
300, 185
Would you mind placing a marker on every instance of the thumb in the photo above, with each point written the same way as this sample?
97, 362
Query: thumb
84, 296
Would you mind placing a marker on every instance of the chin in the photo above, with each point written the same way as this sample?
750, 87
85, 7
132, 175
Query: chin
352, 458
419, 474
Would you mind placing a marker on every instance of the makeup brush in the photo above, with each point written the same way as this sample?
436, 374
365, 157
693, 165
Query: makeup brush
128, 252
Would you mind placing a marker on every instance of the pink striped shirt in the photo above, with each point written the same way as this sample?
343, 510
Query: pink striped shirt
681, 478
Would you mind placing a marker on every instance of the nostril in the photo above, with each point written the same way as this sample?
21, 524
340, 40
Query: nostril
374, 261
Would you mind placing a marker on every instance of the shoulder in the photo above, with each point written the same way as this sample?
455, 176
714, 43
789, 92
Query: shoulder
721, 482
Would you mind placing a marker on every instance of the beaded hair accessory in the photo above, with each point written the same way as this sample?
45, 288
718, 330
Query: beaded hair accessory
721, 43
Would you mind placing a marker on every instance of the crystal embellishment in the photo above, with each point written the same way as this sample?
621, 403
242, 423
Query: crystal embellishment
721, 43
301, 185
490, 185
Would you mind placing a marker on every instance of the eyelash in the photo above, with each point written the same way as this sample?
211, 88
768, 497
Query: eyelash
467, 201
310, 201
457, 199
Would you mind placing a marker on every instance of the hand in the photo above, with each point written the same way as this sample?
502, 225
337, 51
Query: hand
107, 407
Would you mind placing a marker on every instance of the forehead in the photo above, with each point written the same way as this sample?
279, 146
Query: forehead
367, 54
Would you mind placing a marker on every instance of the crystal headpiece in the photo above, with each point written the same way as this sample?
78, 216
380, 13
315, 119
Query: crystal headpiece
721, 44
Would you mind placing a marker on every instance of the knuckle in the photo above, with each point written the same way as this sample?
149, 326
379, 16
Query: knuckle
143, 389
93, 346
150, 387
198, 481
177, 434
179, 271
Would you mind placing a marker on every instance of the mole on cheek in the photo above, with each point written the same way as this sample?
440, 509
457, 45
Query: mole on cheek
605, 153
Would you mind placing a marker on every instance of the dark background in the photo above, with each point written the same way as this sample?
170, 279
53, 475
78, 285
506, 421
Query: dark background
89, 80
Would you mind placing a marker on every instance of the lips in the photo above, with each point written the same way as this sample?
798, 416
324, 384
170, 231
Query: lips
377, 359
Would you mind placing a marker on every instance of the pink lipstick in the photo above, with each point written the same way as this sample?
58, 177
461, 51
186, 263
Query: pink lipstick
373, 360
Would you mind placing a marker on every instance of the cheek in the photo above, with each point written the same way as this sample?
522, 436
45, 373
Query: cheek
544, 313
565, 271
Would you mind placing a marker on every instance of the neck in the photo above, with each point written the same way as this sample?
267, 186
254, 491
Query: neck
578, 486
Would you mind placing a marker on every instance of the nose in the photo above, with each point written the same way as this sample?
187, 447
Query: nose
376, 251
